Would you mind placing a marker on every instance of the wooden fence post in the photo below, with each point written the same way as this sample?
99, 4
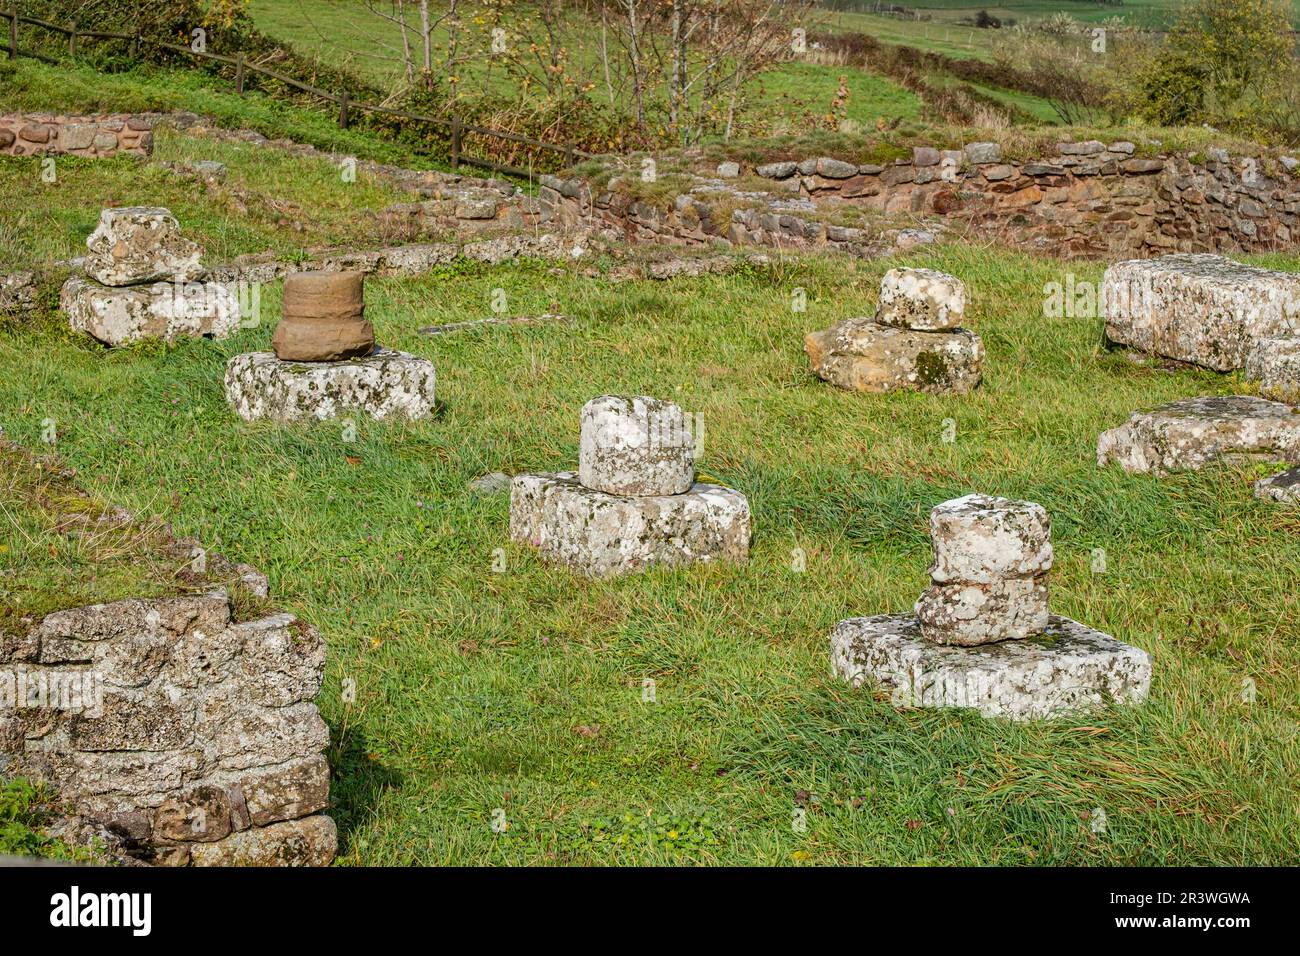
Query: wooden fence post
13, 33
239, 73
343, 110
72, 39
455, 142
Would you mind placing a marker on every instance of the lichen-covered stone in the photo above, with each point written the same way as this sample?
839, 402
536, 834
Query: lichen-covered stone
863, 355
197, 728
1283, 488
164, 310
968, 614
135, 244
1189, 434
636, 445
982, 539
384, 385
1274, 363
1068, 669
1197, 308
601, 534
921, 299
307, 842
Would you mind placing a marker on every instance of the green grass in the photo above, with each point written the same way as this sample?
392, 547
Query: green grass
71, 87
24, 816
269, 201
522, 691
804, 92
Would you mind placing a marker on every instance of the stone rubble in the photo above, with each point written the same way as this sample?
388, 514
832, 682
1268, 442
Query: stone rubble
656, 514
913, 341
141, 283
1188, 434
982, 636
1202, 309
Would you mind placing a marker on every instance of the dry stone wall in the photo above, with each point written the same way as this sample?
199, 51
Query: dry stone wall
1087, 199
50, 134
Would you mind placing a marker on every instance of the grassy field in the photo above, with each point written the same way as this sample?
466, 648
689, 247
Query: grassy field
521, 691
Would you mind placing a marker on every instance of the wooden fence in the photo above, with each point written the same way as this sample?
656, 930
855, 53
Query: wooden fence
346, 105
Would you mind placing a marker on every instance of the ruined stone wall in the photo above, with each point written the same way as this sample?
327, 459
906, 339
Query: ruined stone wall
1085, 199
187, 736
48, 134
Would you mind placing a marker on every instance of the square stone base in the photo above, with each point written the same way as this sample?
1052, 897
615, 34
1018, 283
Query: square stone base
384, 384
160, 310
1191, 433
601, 534
1070, 668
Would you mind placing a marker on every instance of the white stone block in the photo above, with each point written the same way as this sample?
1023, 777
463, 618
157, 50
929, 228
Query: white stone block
968, 614
925, 300
163, 310
384, 385
1189, 434
1070, 669
601, 534
1275, 365
1198, 308
135, 244
982, 539
636, 445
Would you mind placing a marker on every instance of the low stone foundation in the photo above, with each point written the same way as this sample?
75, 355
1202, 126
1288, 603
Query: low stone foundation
601, 534
1191, 433
49, 134
1067, 669
385, 384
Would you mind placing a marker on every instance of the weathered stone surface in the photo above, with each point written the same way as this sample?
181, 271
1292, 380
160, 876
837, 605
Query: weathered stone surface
164, 310
287, 792
1283, 488
925, 300
835, 168
1189, 434
194, 709
135, 244
1068, 669
864, 356
601, 534
323, 318
308, 842
981, 154
1274, 364
636, 445
968, 614
982, 539
1196, 308
728, 170
384, 385
781, 170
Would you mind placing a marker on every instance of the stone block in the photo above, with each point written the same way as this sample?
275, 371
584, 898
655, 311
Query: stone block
983, 154
1069, 669
1197, 308
863, 355
780, 170
164, 310
312, 841
136, 244
968, 614
600, 534
287, 792
728, 170
384, 385
982, 539
1283, 488
922, 299
1274, 363
636, 445
1189, 434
